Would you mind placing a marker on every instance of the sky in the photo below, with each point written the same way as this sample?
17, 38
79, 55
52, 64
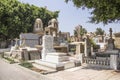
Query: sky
70, 16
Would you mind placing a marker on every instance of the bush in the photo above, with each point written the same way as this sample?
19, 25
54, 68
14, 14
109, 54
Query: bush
2, 55
26, 64
10, 60
102, 55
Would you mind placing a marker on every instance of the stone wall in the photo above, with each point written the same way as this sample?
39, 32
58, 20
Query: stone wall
24, 54
117, 42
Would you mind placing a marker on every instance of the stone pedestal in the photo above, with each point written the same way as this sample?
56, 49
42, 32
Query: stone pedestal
56, 57
52, 59
81, 58
114, 61
111, 44
47, 46
57, 61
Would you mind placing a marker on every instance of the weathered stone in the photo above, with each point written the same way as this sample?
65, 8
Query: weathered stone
25, 54
50, 58
34, 55
114, 61
30, 39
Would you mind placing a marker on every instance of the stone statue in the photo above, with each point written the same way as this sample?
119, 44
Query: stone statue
111, 44
52, 28
38, 26
23, 43
53, 23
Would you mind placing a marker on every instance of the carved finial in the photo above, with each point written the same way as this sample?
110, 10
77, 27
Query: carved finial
110, 30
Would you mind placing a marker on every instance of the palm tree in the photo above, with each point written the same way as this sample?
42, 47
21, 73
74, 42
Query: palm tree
79, 32
82, 32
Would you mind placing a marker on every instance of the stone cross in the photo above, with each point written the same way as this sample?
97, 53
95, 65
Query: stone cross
111, 44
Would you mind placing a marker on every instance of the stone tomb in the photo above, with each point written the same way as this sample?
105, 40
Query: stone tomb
53, 59
30, 39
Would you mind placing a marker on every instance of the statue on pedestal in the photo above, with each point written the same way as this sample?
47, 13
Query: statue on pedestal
111, 44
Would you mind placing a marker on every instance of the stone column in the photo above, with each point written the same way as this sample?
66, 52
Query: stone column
114, 61
44, 53
78, 49
92, 52
85, 50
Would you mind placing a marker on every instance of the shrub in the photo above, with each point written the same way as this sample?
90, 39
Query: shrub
10, 60
26, 64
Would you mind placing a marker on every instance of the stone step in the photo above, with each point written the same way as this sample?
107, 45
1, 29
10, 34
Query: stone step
49, 64
47, 69
57, 66
69, 64
56, 59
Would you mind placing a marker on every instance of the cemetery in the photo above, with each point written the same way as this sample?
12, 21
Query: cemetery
35, 44
50, 48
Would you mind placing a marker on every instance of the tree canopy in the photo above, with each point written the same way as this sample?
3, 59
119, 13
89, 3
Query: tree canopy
79, 32
106, 11
17, 17
99, 31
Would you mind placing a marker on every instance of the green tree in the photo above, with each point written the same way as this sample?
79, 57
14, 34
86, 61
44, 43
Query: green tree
17, 17
106, 11
99, 31
82, 32
75, 33
79, 31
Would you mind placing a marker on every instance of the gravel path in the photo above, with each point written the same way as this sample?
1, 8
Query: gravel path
15, 72
80, 73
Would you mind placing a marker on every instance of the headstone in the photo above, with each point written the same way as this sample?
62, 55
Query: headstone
111, 44
47, 46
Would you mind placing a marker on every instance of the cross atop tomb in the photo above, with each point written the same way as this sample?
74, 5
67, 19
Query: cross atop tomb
110, 32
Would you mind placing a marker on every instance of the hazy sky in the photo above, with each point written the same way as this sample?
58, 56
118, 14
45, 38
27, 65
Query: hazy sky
70, 16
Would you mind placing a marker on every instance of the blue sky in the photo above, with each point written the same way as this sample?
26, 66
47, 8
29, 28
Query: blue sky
70, 16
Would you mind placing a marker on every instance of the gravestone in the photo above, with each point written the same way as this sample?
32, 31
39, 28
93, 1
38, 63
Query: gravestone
47, 46
111, 44
48, 52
